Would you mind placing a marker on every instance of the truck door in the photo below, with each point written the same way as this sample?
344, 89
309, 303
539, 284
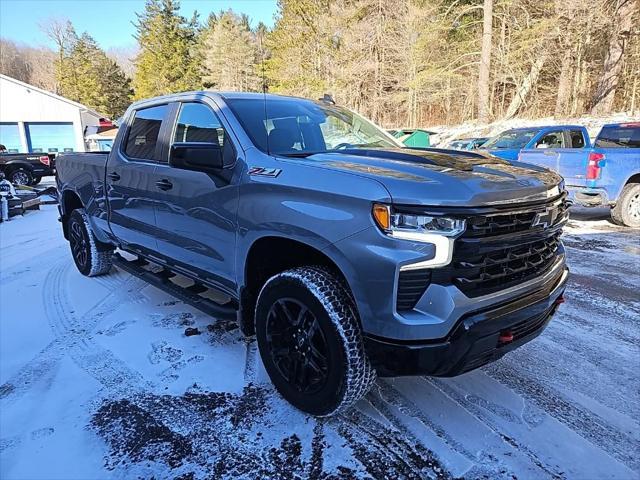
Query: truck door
196, 210
572, 160
545, 151
130, 180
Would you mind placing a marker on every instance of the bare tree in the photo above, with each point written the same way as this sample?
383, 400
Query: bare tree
485, 62
606, 90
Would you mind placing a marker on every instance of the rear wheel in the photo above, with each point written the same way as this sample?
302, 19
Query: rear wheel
92, 258
20, 176
627, 209
310, 341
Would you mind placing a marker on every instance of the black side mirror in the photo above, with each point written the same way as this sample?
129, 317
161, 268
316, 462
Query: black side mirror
198, 156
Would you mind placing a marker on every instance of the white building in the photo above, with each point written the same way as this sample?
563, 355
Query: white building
34, 120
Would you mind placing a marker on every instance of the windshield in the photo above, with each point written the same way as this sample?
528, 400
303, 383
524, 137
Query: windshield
298, 127
511, 139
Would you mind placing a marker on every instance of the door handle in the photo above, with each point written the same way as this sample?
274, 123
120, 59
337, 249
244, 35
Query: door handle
164, 184
550, 154
113, 176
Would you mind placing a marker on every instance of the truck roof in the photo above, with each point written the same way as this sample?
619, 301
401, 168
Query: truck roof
213, 93
544, 127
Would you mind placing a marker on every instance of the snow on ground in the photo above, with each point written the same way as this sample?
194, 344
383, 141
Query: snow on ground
98, 380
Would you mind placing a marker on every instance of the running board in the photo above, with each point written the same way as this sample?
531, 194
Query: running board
162, 280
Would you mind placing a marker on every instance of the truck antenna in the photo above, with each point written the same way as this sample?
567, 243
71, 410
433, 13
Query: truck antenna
264, 90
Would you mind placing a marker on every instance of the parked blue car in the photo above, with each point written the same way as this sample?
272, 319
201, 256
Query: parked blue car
508, 144
607, 174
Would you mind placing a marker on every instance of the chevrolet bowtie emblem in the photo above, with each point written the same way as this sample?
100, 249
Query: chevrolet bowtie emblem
546, 218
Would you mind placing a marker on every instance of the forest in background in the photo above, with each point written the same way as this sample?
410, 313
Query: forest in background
410, 63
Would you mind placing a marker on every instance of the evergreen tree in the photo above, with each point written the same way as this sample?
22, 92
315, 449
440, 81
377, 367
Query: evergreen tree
168, 58
230, 53
87, 75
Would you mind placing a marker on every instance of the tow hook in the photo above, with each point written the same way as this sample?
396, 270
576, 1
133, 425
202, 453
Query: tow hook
506, 336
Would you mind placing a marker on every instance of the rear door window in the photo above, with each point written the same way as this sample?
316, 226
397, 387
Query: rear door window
576, 138
619, 136
144, 131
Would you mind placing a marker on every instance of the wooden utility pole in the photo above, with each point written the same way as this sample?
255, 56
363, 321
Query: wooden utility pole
485, 62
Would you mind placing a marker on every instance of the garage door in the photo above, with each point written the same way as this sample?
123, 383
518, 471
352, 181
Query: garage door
10, 137
50, 137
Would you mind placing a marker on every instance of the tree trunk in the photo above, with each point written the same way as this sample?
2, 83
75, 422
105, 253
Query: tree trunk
564, 85
602, 102
485, 62
525, 87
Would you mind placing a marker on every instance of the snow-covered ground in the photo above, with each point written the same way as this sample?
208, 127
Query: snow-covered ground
98, 380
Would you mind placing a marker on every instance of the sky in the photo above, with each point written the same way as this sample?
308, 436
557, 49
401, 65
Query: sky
108, 21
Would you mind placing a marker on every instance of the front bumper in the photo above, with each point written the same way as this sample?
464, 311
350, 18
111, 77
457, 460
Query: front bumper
479, 337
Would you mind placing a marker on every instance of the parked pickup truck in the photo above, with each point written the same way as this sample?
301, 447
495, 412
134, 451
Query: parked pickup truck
347, 255
607, 174
27, 168
509, 143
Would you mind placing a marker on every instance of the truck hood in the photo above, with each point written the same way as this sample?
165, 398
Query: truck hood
444, 177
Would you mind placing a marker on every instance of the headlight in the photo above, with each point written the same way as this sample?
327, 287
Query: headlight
439, 231
411, 226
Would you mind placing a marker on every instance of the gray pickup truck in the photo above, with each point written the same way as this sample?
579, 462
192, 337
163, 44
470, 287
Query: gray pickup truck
346, 255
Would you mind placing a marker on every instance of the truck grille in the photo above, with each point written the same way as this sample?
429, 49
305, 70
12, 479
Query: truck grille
505, 223
504, 268
411, 285
501, 250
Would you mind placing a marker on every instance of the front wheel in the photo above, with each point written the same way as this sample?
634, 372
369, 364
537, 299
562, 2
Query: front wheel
310, 341
627, 209
91, 257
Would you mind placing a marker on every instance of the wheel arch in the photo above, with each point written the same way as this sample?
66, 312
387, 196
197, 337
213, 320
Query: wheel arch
635, 178
272, 254
69, 202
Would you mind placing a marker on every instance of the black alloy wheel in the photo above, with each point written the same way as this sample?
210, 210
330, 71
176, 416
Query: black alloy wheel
297, 345
79, 241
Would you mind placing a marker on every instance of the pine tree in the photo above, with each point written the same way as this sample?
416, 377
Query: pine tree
87, 75
230, 53
168, 58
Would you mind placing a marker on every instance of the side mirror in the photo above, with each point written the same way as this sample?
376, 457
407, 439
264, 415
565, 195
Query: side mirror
196, 156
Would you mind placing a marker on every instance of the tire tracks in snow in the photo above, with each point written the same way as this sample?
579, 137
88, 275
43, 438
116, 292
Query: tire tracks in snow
585, 423
72, 334
87, 354
487, 465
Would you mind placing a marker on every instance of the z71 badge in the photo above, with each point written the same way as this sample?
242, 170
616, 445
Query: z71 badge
265, 172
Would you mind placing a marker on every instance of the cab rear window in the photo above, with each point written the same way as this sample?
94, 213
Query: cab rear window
619, 136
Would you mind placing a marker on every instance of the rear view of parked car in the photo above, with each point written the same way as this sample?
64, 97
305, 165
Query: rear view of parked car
607, 174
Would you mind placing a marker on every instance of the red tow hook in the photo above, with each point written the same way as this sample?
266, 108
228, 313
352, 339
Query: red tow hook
560, 300
506, 336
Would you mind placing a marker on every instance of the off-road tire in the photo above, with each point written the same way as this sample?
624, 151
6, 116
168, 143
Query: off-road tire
98, 257
20, 176
626, 210
350, 374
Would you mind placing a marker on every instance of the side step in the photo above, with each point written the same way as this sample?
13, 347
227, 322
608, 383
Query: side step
162, 280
